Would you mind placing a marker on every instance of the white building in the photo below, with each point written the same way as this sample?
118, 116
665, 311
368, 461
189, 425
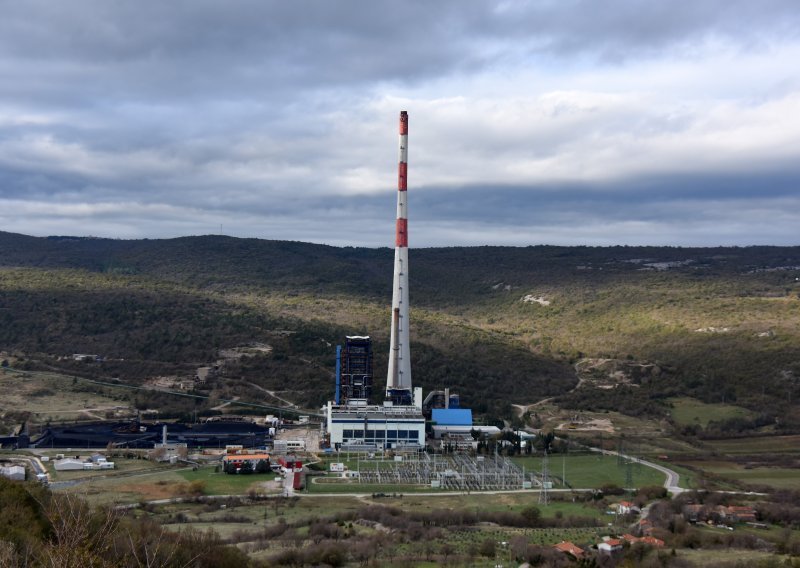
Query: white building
99, 464
463, 431
372, 426
97, 461
68, 464
609, 545
13, 472
288, 446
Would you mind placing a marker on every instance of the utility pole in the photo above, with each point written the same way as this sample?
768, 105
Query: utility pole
544, 496
629, 475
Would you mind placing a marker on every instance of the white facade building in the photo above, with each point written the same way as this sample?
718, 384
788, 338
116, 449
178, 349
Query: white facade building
68, 464
13, 472
381, 427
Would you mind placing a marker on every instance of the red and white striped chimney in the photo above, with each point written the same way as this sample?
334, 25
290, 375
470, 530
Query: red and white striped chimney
399, 375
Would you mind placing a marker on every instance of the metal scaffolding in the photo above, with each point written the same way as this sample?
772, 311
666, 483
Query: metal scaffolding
451, 472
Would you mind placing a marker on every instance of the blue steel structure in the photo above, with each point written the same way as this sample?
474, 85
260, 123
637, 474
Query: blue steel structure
338, 374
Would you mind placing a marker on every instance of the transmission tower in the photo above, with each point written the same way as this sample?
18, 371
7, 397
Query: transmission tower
620, 449
629, 475
544, 496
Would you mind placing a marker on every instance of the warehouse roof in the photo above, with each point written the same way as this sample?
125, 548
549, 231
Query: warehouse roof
452, 416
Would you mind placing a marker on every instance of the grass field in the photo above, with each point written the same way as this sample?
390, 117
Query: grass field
757, 445
122, 467
737, 557
591, 471
498, 502
335, 486
687, 411
162, 484
218, 483
778, 477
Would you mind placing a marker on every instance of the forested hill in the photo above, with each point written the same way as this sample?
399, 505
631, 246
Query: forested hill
501, 324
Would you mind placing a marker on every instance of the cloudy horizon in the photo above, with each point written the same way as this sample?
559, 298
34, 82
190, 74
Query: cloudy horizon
567, 123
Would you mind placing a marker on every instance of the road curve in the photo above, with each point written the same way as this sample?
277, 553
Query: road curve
670, 484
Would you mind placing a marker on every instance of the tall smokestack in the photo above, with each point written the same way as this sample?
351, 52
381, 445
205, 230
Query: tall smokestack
399, 376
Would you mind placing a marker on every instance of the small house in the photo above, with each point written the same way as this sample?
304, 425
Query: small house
609, 545
569, 548
649, 540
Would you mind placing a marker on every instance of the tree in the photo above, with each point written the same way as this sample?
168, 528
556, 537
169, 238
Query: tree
532, 515
247, 468
262, 466
80, 536
488, 548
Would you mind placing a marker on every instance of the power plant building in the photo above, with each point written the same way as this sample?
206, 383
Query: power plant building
376, 427
352, 422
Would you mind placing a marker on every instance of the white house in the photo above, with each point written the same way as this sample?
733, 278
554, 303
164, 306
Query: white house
610, 545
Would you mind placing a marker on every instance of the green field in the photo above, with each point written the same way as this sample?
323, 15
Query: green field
122, 468
757, 445
516, 501
778, 477
218, 483
591, 471
736, 557
687, 411
335, 486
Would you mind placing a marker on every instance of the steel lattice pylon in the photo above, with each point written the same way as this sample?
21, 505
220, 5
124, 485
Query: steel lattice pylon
544, 494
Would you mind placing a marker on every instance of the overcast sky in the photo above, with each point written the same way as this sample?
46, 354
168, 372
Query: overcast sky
556, 122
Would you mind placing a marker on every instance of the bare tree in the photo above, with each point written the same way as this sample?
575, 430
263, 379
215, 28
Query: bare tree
81, 537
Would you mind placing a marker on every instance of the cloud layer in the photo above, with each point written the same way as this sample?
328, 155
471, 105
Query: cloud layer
531, 122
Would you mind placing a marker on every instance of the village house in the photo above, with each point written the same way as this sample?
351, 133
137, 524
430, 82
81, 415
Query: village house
625, 507
570, 548
738, 514
609, 545
728, 514
645, 527
649, 540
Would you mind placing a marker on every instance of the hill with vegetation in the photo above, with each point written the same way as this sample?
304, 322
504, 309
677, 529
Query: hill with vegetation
614, 328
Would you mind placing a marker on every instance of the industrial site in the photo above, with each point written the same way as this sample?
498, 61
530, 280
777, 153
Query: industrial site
387, 473
411, 437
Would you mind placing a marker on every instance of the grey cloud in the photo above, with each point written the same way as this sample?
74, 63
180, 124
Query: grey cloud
245, 49
170, 118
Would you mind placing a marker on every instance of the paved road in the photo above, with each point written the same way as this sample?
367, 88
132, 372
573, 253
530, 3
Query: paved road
670, 484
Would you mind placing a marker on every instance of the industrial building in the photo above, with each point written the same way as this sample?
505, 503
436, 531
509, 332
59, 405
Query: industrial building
456, 423
352, 422
13, 472
136, 434
238, 460
354, 370
372, 427
96, 461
